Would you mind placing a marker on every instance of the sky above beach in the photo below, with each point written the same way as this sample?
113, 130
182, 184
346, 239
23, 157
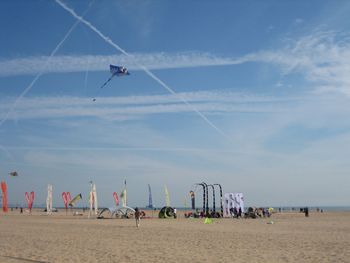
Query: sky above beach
254, 95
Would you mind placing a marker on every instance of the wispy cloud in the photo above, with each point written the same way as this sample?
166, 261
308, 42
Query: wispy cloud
322, 58
133, 107
71, 63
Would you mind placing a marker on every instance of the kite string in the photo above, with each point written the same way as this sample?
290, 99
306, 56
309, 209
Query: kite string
146, 70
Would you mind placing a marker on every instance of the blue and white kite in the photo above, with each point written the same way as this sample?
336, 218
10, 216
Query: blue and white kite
118, 71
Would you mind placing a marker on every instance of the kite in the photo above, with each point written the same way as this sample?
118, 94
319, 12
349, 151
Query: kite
14, 173
118, 71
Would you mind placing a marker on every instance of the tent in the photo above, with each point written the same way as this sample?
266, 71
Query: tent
166, 212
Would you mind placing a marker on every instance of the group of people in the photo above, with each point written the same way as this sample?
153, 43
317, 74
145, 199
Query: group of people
202, 214
236, 212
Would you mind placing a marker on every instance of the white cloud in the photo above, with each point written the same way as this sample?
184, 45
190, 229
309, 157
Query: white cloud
323, 58
64, 64
133, 107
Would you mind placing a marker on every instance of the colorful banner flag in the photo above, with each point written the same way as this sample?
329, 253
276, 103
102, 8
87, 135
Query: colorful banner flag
193, 202
49, 199
123, 197
93, 200
75, 199
167, 196
66, 198
4, 197
30, 200
116, 199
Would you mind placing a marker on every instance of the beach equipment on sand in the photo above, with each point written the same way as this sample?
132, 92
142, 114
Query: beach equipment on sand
30, 200
49, 199
4, 197
106, 212
124, 212
166, 212
208, 220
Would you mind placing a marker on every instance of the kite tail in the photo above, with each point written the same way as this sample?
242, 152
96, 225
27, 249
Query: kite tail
103, 85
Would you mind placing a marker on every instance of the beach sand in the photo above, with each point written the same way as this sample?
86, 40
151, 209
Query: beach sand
322, 237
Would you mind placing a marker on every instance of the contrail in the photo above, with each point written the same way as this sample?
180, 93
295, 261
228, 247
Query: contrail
26, 90
122, 149
148, 72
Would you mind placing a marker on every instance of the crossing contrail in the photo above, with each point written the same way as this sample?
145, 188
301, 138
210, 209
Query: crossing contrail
146, 70
26, 90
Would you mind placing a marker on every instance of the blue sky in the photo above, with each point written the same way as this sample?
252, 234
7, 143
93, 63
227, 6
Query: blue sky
254, 95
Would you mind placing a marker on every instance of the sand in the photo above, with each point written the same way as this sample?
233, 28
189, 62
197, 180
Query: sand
59, 238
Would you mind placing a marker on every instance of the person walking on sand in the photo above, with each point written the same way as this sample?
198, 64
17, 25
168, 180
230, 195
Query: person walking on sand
137, 217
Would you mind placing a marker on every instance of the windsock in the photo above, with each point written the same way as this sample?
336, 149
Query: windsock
75, 199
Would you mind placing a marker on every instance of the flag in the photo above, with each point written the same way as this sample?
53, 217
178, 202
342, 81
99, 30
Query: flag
193, 203
4, 197
75, 199
167, 196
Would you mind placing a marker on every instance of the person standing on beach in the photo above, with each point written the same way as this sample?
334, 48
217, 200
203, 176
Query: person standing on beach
137, 217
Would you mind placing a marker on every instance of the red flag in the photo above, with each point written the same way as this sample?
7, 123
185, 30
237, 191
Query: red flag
4, 197
66, 198
116, 198
30, 199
